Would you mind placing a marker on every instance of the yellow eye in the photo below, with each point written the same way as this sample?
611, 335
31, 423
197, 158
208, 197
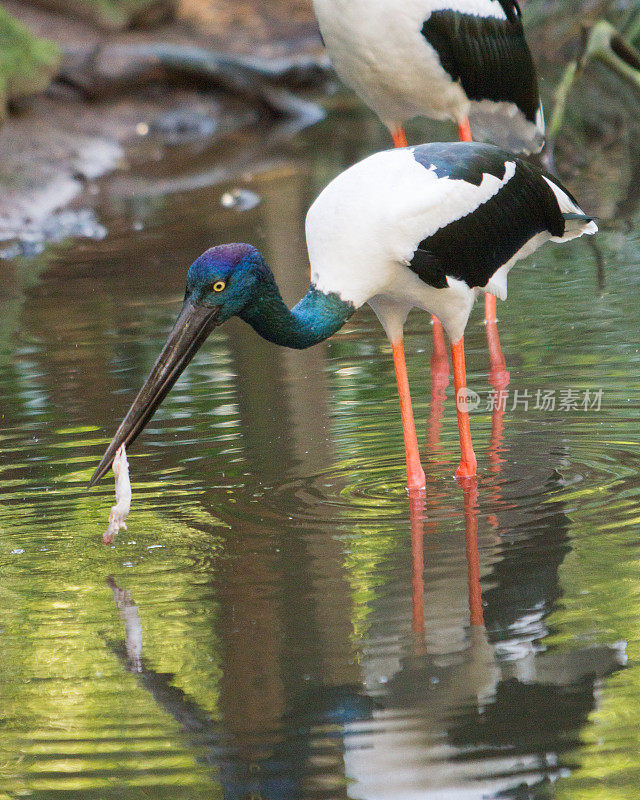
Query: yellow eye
218, 286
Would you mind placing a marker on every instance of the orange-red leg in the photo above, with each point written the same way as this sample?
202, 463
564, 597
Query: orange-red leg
499, 379
415, 473
439, 381
399, 138
468, 463
498, 364
464, 131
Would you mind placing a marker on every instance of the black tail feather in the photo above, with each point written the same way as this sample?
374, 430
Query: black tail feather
581, 217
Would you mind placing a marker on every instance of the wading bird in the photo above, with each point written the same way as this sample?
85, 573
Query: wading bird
430, 227
463, 60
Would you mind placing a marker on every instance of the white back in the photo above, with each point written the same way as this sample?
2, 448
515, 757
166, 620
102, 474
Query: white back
368, 222
377, 49
364, 228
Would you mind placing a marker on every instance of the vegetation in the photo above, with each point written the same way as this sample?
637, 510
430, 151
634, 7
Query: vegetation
116, 14
27, 63
601, 42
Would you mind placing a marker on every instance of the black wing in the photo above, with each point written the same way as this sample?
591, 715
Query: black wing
475, 246
489, 56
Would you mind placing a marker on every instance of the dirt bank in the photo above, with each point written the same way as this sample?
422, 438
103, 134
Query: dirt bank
127, 96
112, 105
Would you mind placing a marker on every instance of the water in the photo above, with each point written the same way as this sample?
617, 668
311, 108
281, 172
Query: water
278, 621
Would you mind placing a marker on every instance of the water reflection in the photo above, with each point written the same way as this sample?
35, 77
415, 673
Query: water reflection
438, 704
129, 614
285, 623
460, 702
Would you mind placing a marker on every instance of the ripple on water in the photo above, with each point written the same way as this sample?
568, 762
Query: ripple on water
278, 620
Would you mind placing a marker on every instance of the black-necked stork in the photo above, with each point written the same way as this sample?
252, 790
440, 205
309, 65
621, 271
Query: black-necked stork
430, 226
464, 60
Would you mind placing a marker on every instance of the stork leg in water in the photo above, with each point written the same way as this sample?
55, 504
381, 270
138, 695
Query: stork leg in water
498, 378
416, 480
464, 131
399, 137
468, 463
495, 352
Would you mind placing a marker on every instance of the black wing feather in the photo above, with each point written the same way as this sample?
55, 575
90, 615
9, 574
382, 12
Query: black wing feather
429, 269
475, 246
489, 56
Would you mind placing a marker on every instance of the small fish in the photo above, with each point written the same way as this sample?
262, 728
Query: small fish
120, 511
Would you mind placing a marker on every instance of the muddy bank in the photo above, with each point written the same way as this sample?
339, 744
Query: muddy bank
133, 98
234, 69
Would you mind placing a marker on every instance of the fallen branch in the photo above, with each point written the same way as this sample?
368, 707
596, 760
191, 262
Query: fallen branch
114, 68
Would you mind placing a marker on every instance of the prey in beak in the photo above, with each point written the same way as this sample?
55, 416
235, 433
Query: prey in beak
194, 324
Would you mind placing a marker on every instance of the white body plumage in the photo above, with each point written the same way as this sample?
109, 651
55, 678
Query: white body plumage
377, 48
365, 227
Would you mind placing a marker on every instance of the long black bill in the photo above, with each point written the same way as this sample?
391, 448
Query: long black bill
192, 327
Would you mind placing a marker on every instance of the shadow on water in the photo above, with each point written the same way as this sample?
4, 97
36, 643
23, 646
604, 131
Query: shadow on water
287, 624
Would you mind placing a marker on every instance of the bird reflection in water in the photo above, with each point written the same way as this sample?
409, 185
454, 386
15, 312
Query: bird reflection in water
447, 696
440, 699
456, 708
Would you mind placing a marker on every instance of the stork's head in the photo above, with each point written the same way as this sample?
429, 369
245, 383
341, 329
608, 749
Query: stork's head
224, 279
220, 284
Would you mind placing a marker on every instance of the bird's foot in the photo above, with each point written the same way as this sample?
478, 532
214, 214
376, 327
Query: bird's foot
467, 469
416, 480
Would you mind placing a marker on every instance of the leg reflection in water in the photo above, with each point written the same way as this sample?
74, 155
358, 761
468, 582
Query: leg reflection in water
457, 699
449, 683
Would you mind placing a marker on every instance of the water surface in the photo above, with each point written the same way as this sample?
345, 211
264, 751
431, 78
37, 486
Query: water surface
278, 621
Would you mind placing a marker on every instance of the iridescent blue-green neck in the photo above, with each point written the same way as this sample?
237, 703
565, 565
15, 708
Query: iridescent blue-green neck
316, 317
